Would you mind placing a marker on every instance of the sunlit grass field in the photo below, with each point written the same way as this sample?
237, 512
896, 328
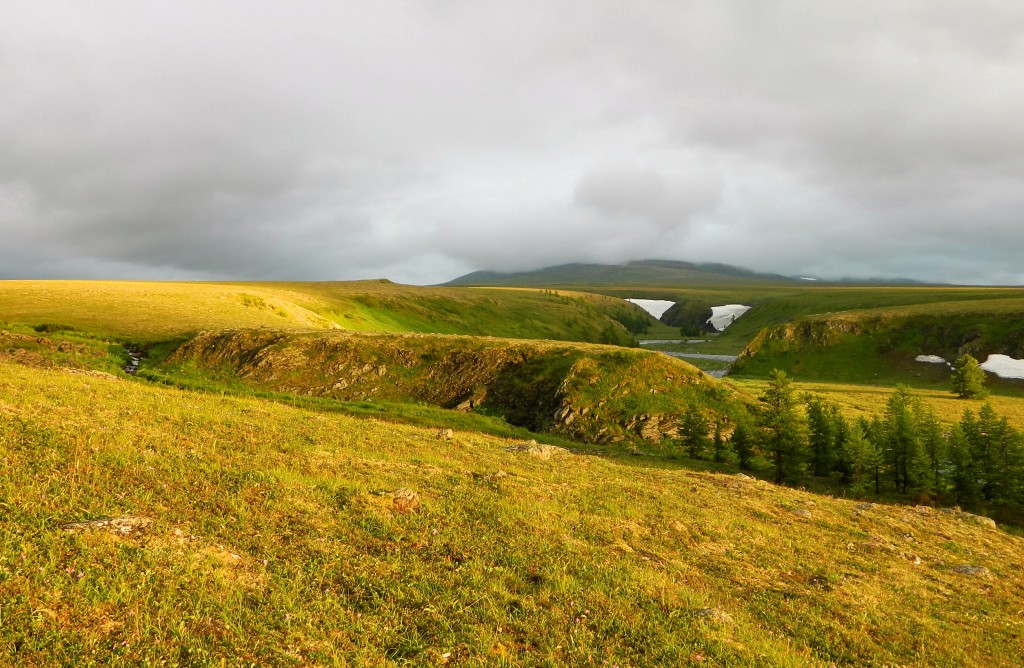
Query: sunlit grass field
276, 540
275, 529
146, 312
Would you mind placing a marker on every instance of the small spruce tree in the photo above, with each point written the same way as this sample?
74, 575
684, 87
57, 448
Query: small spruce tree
743, 446
694, 432
968, 378
783, 433
718, 446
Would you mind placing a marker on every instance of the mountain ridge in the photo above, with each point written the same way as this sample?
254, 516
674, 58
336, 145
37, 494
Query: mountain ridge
637, 272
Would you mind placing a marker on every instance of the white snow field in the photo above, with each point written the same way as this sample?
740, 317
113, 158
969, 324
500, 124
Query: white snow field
1004, 366
655, 307
723, 316
930, 359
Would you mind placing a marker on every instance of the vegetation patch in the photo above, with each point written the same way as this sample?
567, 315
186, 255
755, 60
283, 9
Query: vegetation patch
590, 393
263, 534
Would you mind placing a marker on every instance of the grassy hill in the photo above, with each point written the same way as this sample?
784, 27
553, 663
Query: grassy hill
640, 273
150, 311
295, 490
593, 394
272, 535
880, 344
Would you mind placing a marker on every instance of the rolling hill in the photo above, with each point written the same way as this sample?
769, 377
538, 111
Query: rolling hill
147, 312
289, 481
646, 273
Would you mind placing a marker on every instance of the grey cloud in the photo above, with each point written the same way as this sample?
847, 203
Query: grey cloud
325, 140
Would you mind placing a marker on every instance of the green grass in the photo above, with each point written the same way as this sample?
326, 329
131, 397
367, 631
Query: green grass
879, 345
155, 312
867, 400
587, 392
275, 542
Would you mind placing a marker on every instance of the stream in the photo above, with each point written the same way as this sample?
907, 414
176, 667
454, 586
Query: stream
716, 373
134, 360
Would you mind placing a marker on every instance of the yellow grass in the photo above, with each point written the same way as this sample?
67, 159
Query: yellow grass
868, 400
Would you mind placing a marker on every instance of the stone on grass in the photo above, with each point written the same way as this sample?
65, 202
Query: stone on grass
124, 525
966, 569
716, 615
802, 512
405, 500
535, 449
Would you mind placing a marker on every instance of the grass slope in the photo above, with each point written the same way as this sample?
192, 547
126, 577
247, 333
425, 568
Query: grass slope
148, 312
587, 392
275, 540
879, 345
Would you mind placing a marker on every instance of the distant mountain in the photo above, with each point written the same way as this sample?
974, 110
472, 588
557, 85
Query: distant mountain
640, 273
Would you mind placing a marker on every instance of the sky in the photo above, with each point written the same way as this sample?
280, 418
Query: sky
419, 140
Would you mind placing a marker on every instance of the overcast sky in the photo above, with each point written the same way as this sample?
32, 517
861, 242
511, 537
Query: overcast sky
423, 139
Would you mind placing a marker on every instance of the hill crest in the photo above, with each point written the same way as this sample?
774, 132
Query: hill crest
638, 272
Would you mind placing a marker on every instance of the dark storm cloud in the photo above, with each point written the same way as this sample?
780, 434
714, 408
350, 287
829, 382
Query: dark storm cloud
318, 140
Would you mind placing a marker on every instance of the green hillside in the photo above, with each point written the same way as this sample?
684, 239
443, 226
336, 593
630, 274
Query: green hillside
274, 489
880, 344
252, 533
148, 312
592, 394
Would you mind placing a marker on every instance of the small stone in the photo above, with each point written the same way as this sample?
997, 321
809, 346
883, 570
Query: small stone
966, 569
445, 434
743, 476
923, 510
123, 525
980, 520
714, 615
538, 450
405, 500
865, 506
802, 512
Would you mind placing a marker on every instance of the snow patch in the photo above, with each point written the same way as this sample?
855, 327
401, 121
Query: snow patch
723, 316
655, 307
1004, 366
930, 359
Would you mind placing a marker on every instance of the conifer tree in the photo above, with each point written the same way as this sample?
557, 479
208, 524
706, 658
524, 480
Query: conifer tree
694, 432
718, 447
968, 378
743, 446
820, 435
929, 464
783, 434
861, 458
901, 439
963, 477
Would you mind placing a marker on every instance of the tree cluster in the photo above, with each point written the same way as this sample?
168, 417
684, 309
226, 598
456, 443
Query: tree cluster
977, 463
